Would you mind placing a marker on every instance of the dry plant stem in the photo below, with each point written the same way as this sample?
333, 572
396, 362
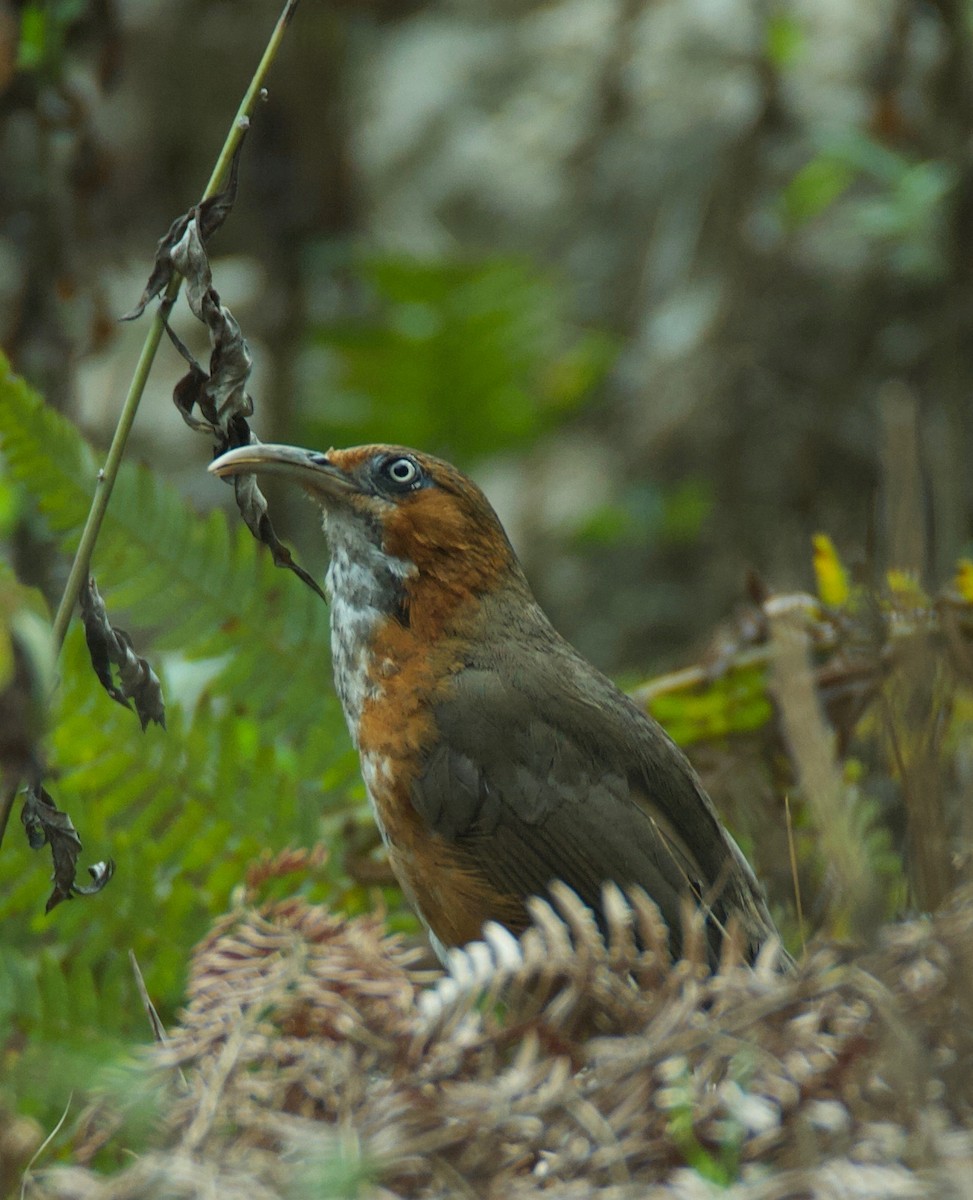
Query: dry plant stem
933, 874
158, 1029
25, 1180
811, 744
108, 474
792, 853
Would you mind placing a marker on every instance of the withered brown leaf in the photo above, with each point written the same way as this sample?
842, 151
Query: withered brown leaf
111, 647
46, 824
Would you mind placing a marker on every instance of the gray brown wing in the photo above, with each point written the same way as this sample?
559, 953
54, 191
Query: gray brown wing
532, 797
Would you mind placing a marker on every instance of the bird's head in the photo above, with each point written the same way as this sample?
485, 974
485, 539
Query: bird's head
413, 509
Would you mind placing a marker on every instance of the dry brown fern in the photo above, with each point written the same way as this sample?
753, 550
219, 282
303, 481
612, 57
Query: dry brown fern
318, 1061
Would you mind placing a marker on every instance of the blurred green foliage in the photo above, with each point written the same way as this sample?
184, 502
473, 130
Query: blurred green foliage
816, 187
733, 702
897, 204
646, 514
9, 507
258, 760
44, 27
460, 359
785, 40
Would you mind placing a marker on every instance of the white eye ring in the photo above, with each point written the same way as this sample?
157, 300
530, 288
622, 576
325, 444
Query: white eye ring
402, 471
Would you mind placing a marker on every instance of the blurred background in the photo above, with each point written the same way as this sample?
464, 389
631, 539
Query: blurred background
668, 277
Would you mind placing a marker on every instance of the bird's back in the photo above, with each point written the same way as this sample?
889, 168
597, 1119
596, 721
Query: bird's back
539, 768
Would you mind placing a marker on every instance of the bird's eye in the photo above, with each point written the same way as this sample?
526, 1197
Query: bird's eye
403, 473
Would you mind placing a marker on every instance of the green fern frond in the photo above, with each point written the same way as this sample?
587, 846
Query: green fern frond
182, 813
195, 585
247, 768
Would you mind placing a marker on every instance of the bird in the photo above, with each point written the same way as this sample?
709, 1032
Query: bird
496, 758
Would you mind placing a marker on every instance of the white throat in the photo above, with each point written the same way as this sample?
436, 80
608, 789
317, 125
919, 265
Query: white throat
363, 586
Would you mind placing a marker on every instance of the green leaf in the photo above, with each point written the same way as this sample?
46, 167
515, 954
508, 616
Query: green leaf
44, 25
33, 37
458, 358
733, 703
687, 508
785, 40
816, 187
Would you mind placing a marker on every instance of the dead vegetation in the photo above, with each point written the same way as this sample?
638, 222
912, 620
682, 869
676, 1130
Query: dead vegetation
316, 1058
